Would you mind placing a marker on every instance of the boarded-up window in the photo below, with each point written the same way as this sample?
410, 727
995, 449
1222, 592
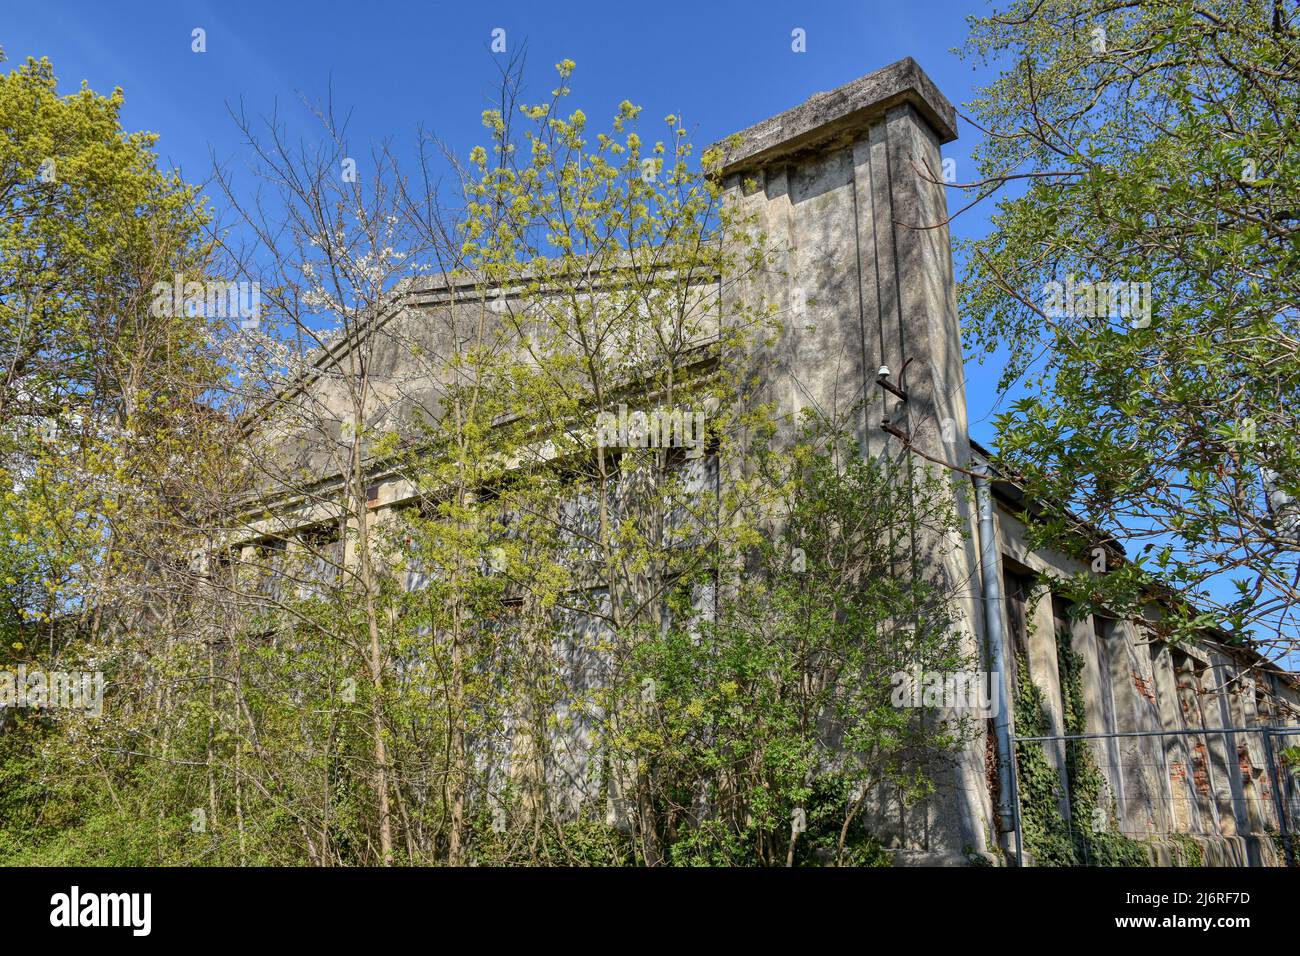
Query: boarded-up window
1017, 589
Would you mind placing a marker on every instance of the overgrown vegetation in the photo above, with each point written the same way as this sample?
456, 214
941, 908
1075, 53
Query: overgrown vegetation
1087, 837
558, 647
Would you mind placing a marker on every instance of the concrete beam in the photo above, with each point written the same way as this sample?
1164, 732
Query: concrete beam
841, 115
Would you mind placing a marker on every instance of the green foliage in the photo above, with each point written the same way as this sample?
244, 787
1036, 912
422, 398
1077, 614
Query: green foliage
1091, 803
1149, 143
1282, 843
782, 707
584, 841
1189, 851
104, 442
95, 391
1046, 835
1049, 838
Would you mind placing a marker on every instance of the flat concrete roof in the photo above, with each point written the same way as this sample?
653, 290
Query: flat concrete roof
841, 112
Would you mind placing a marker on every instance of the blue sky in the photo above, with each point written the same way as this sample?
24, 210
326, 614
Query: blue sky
397, 65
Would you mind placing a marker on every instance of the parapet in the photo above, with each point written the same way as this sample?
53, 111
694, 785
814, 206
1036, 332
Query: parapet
840, 114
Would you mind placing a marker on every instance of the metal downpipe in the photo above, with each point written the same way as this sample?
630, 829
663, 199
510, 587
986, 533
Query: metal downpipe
995, 635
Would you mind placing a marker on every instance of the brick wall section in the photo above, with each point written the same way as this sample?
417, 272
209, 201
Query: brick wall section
1144, 688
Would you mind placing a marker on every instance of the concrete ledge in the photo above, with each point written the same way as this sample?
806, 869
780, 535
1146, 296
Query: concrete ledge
842, 112
1251, 849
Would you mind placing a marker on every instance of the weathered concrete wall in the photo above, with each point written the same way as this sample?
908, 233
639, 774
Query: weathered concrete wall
1211, 787
848, 189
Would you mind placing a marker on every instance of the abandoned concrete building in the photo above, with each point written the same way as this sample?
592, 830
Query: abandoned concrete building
839, 182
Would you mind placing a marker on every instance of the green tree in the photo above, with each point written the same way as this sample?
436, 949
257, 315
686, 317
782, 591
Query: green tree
774, 726
87, 225
1150, 144
106, 444
604, 253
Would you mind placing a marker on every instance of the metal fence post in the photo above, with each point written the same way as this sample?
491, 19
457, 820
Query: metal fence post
1015, 803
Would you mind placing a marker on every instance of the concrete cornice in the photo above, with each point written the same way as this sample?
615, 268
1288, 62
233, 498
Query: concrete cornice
841, 113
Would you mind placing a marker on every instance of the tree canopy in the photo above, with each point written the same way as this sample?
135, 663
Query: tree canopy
1141, 273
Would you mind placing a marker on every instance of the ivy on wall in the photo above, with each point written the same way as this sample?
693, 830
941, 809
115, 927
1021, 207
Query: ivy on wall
1095, 843
1085, 839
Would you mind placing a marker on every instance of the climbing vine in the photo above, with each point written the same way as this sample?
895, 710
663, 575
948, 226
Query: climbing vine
1085, 839
1093, 807
1186, 850
1045, 833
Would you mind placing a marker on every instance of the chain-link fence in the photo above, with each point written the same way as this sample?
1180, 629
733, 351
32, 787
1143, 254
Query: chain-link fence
1284, 754
1224, 796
